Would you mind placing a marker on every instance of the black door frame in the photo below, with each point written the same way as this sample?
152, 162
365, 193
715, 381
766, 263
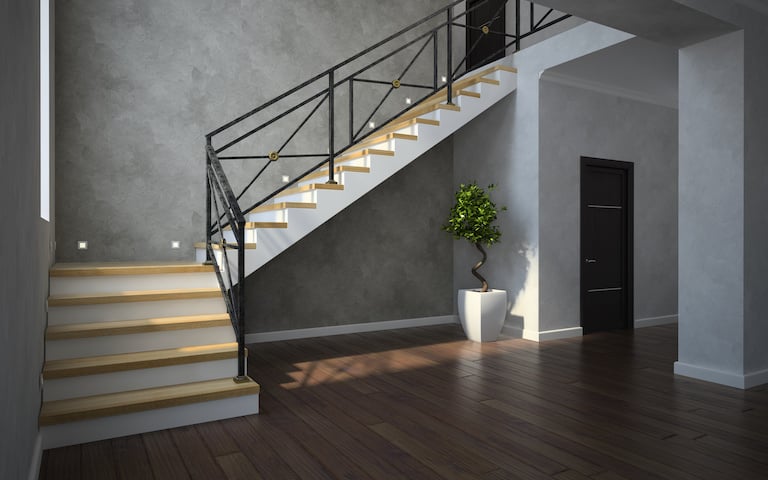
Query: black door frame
628, 168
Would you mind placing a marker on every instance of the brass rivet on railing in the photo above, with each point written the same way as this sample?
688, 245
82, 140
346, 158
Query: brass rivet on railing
274, 156
396, 83
485, 29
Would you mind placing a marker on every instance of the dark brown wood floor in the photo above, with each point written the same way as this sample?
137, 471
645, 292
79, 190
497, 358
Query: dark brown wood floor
426, 404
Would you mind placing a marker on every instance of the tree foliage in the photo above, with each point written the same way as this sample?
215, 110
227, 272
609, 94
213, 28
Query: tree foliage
473, 215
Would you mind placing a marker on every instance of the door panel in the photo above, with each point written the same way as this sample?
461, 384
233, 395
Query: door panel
491, 13
606, 218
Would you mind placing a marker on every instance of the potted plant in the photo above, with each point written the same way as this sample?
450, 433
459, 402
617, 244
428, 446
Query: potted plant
482, 311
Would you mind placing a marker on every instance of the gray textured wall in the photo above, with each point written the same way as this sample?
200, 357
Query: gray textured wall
574, 123
383, 258
24, 243
140, 82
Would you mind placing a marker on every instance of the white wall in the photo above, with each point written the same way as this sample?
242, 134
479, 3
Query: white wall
502, 147
575, 122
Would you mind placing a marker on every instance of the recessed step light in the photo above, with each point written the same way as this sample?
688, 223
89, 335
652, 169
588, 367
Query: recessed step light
286, 179
408, 100
175, 244
82, 244
372, 124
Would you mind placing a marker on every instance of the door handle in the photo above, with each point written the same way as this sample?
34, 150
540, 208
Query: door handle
590, 260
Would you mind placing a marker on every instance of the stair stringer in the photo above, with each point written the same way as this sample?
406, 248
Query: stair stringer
270, 242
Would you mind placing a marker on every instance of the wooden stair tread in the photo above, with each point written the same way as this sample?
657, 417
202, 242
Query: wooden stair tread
261, 225
125, 268
217, 246
376, 139
125, 327
133, 296
308, 188
282, 205
399, 124
364, 152
339, 169
83, 408
75, 367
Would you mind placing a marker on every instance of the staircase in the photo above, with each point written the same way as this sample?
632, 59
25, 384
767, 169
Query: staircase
132, 348
293, 213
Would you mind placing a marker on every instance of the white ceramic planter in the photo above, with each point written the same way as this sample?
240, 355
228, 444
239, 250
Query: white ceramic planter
482, 314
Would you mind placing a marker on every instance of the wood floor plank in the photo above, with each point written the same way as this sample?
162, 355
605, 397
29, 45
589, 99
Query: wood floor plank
196, 457
98, 461
131, 458
236, 466
164, 457
258, 448
426, 403
62, 463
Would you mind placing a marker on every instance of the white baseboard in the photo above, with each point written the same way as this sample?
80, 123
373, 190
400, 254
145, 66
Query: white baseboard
723, 378
653, 321
558, 334
37, 457
352, 328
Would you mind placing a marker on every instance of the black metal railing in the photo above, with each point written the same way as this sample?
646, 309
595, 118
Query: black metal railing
402, 62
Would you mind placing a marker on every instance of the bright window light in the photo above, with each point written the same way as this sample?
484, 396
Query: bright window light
45, 112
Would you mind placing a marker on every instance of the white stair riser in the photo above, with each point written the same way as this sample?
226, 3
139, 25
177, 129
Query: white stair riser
269, 216
340, 177
120, 283
309, 197
129, 424
250, 236
134, 310
86, 385
137, 342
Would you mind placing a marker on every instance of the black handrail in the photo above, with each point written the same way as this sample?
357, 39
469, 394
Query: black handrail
223, 211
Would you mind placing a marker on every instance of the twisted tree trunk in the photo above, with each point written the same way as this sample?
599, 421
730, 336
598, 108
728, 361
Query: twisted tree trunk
480, 264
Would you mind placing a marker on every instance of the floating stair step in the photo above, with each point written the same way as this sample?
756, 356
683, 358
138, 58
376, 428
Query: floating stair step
469, 93
219, 246
133, 296
105, 269
98, 406
75, 367
379, 139
252, 225
309, 188
399, 124
340, 169
363, 153
127, 327
282, 205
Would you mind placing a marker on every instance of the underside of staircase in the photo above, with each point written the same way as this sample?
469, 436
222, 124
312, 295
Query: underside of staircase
132, 348
295, 212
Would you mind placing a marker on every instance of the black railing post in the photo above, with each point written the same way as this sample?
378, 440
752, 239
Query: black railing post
330, 129
517, 25
351, 111
241, 300
208, 259
449, 56
434, 56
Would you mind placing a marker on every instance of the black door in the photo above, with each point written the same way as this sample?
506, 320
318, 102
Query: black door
484, 47
606, 245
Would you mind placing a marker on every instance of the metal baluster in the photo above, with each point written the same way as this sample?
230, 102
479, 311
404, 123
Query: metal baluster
517, 25
330, 129
208, 260
449, 56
